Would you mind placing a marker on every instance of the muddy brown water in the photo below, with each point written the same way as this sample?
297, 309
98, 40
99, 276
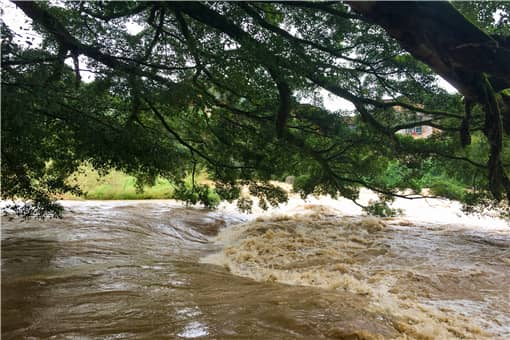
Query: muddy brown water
135, 270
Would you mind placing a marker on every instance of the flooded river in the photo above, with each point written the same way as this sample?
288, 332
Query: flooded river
154, 269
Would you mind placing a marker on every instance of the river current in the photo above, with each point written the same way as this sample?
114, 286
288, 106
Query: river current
155, 269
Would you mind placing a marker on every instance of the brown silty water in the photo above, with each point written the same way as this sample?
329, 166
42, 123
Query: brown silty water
149, 270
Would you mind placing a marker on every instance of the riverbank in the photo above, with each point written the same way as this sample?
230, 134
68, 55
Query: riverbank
115, 185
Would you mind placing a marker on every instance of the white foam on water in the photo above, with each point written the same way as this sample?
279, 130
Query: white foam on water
194, 329
430, 211
325, 243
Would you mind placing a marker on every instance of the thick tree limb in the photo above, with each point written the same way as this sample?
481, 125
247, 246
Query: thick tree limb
437, 34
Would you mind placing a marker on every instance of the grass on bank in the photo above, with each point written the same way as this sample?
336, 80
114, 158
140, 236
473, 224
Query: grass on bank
116, 185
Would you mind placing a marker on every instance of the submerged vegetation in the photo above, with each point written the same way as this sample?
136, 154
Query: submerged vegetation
234, 89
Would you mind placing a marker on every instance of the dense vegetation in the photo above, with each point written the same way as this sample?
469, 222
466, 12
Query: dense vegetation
221, 87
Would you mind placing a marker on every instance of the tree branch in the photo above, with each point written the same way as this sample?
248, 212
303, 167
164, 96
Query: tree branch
186, 144
51, 24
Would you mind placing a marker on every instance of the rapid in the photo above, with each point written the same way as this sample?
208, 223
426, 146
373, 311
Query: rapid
307, 270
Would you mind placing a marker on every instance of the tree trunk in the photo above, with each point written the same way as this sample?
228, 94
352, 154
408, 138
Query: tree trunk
438, 35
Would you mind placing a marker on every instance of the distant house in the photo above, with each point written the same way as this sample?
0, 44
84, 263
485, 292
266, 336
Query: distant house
404, 115
420, 131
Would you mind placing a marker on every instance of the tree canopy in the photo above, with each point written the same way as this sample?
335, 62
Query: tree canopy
224, 87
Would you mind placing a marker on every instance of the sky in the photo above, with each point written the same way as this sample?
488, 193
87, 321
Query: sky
22, 26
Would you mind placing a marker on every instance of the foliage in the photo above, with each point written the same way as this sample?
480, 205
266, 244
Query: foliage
219, 86
472, 205
381, 209
41, 206
493, 16
193, 193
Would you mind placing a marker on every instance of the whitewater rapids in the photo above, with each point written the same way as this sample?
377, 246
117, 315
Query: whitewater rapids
306, 270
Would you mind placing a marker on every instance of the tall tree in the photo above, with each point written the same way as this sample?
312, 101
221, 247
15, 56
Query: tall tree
219, 85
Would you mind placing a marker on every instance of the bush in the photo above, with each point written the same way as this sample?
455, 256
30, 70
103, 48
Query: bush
381, 209
448, 189
192, 194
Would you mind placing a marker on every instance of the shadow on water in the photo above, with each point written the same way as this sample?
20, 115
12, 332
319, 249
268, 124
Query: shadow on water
26, 275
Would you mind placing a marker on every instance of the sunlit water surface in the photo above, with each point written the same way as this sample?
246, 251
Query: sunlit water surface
154, 269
